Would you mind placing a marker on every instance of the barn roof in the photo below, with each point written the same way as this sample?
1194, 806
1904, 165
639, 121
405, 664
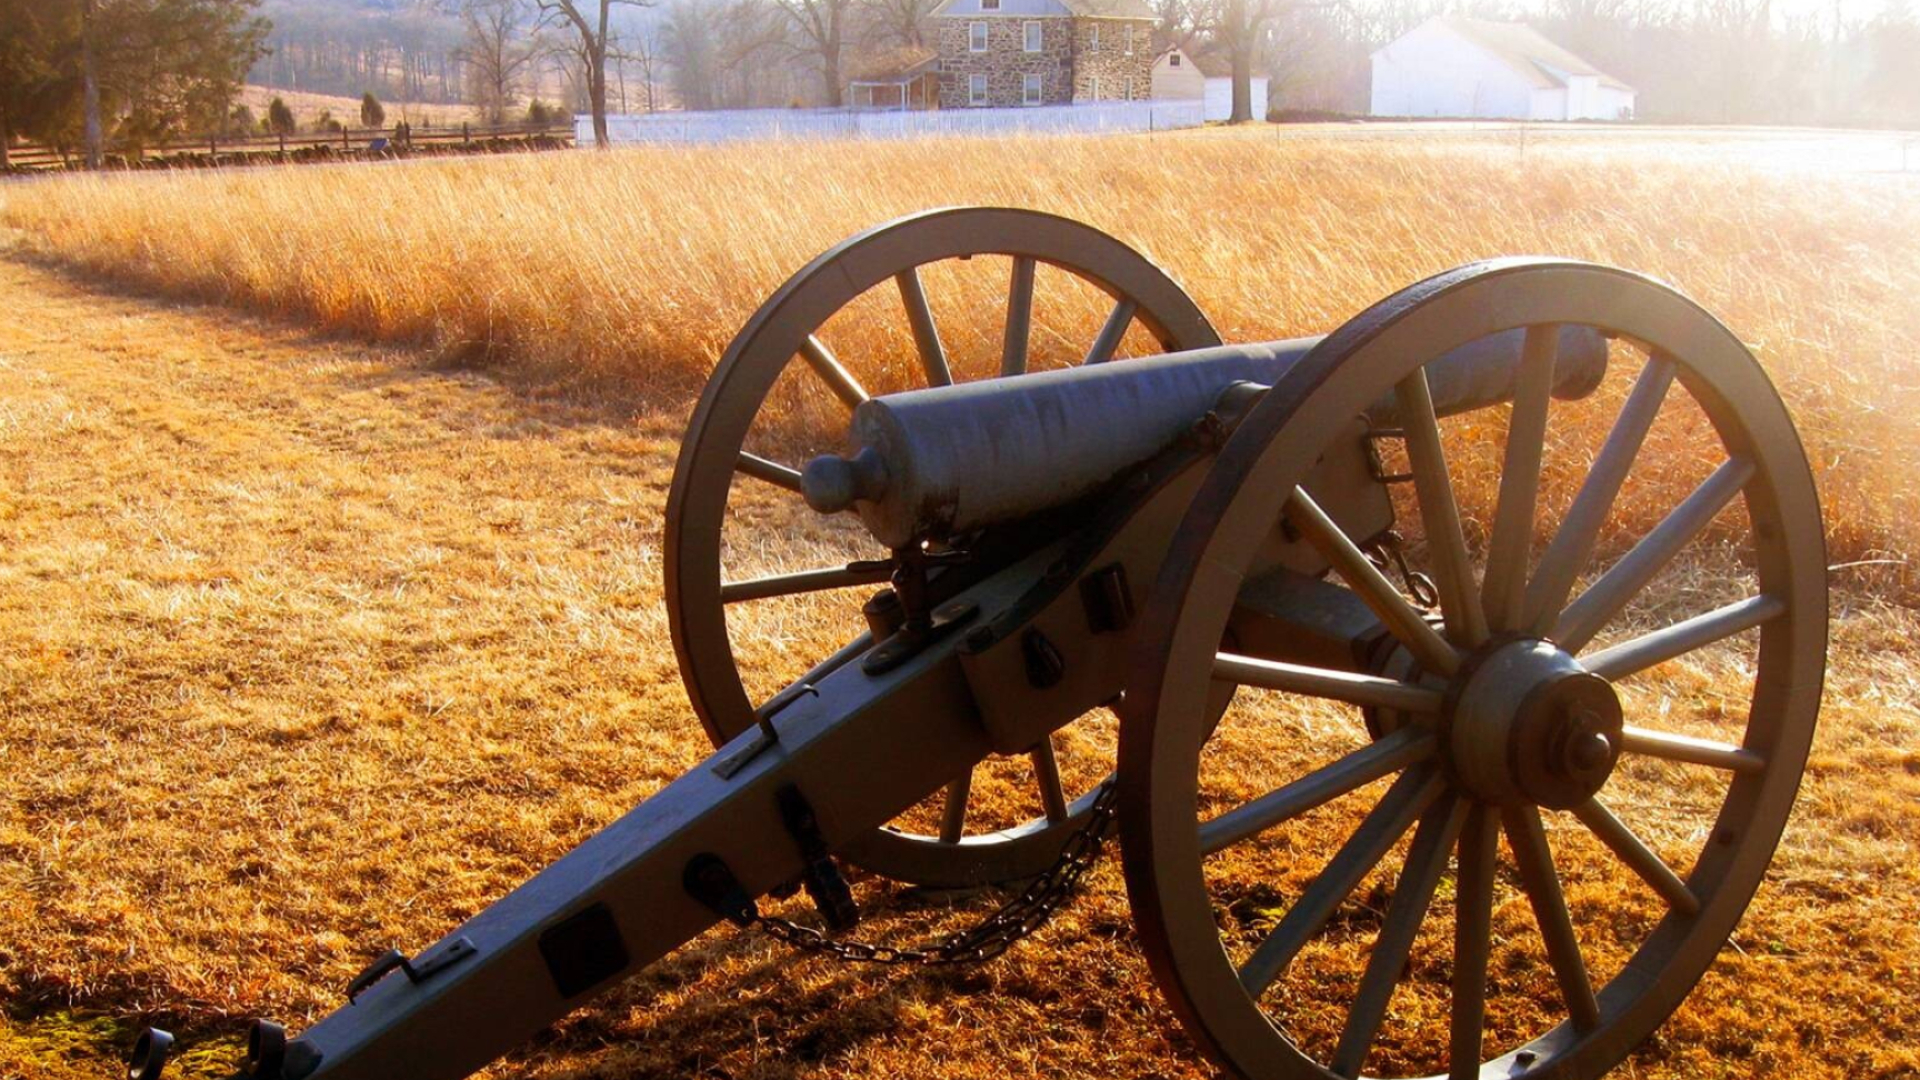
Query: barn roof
1212, 62
1085, 9
1526, 51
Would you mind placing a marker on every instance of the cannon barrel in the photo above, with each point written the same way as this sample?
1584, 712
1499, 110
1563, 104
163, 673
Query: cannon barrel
954, 458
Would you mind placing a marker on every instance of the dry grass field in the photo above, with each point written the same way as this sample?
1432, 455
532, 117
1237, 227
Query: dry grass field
308, 107
330, 578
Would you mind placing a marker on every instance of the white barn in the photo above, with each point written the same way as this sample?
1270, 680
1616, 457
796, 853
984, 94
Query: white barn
1449, 66
1182, 76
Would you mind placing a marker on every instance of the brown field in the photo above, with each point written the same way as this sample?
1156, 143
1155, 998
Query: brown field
308, 107
324, 625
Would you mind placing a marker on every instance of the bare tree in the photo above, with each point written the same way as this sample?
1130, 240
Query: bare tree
1239, 27
647, 50
820, 31
588, 44
497, 51
899, 22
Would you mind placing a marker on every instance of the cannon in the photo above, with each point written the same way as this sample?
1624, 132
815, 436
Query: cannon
1207, 541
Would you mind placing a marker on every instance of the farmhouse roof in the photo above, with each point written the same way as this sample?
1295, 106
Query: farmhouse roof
893, 65
1110, 9
1085, 9
1527, 51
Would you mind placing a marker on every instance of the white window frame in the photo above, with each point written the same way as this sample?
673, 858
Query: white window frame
1032, 89
976, 37
1093, 44
1129, 32
1033, 36
1173, 60
1093, 89
976, 90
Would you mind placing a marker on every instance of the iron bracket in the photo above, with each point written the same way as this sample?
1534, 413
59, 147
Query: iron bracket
417, 972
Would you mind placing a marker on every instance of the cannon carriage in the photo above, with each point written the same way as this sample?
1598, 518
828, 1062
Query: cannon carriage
1180, 537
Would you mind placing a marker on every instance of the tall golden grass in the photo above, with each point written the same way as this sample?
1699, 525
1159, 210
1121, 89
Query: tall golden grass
632, 269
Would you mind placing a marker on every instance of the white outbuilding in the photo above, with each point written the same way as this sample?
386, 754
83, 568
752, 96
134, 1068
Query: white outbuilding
1450, 66
1180, 75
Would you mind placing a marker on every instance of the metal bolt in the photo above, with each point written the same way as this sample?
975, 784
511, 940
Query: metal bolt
1590, 750
979, 637
1526, 1058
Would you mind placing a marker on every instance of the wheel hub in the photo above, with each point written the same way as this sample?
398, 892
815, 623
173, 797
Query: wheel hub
1528, 724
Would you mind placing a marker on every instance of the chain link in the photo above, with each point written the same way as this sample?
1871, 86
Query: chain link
1388, 553
998, 932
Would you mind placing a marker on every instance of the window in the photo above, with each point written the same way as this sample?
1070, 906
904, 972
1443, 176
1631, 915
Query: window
1173, 60
1030, 90
1033, 37
977, 37
976, 89
1093, 90
989, 5
1093, 43
1129, 33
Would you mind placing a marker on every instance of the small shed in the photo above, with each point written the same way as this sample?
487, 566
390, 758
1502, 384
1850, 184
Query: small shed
900, 79
1455, 67
1181, 73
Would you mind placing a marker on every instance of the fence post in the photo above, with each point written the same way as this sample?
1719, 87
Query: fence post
213, 146
465, 136
283, 143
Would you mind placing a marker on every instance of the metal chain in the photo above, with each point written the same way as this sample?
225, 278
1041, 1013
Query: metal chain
1388, 553
998, 932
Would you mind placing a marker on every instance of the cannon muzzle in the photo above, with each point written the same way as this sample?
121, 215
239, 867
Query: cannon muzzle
954, 458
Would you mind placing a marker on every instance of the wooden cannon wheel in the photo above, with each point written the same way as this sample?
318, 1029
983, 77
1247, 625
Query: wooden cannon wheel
1504, 718
785, 336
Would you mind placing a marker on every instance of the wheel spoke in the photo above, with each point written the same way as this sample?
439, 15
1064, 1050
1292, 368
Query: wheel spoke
1504, 591
1573, 544
1347, 686
835, 577
1535, 861
827, 366
1013, 351
1683, 748
1385, 823
1466, 623
1639, 857
1115, 328
1412, 895
1586, 616
1472, 940
771, 472
1323, 785
926, 336
953, 815
1046, 770
1407, 624
1643, 652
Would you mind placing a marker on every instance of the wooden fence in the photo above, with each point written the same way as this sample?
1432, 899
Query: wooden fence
347, 142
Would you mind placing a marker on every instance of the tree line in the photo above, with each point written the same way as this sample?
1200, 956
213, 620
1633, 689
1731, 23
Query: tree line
86, 73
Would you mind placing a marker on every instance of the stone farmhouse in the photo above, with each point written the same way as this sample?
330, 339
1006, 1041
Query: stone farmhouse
1009, 53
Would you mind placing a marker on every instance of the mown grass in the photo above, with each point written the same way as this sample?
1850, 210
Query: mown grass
310, 648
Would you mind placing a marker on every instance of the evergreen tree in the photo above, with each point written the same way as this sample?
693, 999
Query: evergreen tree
371, 114
280, 118
81, 72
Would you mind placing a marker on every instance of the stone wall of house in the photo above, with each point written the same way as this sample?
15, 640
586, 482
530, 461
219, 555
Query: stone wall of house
1112, 59
1006, 63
